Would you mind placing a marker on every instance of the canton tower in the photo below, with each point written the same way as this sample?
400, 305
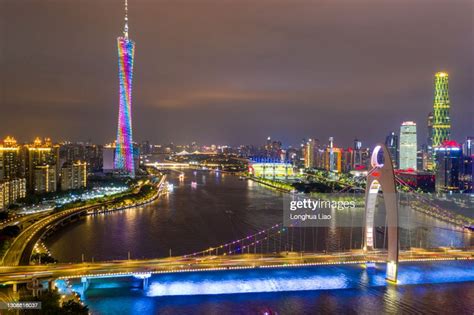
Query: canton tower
124, 147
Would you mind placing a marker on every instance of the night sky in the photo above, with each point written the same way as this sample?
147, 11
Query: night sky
233, 72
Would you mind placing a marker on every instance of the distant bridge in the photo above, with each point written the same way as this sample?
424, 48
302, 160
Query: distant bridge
172, 165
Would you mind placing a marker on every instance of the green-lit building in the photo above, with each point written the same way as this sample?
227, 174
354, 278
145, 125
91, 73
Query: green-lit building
441, 104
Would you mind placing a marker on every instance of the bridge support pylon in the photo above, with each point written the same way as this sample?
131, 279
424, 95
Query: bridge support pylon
144, 277
382, 178
51, 285
85, 284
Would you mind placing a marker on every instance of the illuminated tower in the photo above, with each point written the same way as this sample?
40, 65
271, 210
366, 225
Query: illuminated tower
124, 148
441, 105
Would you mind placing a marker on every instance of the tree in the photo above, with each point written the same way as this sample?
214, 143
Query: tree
73, 307
50, 305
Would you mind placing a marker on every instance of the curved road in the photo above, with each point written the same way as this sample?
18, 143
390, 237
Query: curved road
20, 251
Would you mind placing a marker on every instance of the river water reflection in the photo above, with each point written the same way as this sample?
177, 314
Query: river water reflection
216, 209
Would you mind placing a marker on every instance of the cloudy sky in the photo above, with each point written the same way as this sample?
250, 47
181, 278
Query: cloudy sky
234, 71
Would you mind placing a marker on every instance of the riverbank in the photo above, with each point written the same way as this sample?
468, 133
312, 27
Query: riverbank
23, 245
280, 186
146, 200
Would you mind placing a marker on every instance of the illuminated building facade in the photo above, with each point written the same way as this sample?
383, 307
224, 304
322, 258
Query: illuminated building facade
45, 179
41, 162
74, 175
124, 161
10, 159
271, 170
441, 105
333, 159
309, 154
11, 191
449, 164
408, 146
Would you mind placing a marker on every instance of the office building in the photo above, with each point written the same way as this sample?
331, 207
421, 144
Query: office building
449, 163
408, 146
391, 141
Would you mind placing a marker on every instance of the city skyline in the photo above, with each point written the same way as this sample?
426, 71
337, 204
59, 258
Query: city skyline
279, 156
222, 84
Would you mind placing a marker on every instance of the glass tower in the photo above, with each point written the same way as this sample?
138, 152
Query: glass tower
408, 146
441, 104
123, 161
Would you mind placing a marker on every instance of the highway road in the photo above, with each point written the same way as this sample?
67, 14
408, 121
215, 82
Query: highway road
22, 246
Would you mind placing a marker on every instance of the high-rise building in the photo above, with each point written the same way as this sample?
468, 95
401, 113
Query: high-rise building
11, 191
408, 146
74, 175
124, 161
94, 158
333, 159
391, 141
468, 165
309, 154
427, 151
45, 179
332, 165
430, 122
448, 166
10, 159
347, 158
37, 156
357, 155
468, 146
441, 105
108, 158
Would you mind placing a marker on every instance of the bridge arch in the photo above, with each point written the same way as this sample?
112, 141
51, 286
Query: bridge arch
382, 178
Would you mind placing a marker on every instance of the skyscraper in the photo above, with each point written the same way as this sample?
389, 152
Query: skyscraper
309, 154
123, 161
357, 156
441, 105
10, 159
391, 141
449, 166
430, 131
41, 162
408, 145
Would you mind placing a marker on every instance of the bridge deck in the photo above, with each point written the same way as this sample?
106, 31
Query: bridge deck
207, 263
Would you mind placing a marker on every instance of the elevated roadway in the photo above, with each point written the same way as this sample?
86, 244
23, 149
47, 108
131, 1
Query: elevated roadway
21, 274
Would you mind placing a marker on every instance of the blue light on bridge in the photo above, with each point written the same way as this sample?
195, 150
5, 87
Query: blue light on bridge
260, 280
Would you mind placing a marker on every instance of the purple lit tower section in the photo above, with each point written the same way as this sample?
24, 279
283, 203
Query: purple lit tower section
123, 161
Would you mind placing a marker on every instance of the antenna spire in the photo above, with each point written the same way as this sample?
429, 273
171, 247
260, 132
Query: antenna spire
125, 28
